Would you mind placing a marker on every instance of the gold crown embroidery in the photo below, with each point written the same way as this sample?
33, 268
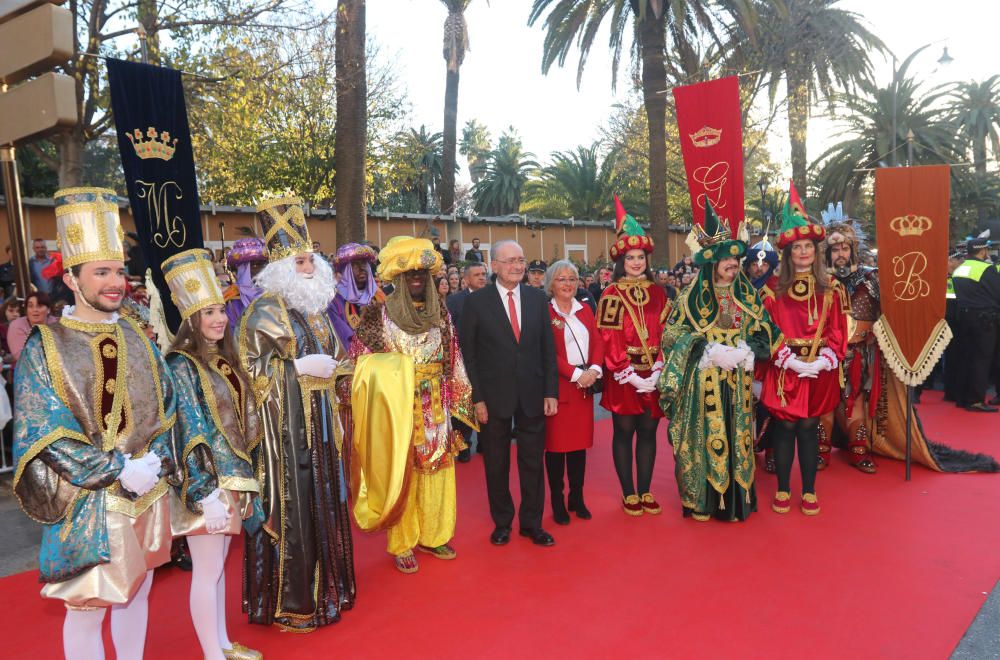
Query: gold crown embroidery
158, 145
910, 224
706, 136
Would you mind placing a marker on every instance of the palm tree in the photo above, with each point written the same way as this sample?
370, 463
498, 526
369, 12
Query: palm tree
475, 147
578, 183
815, 47
975, 109
577, 23
424, 152
456, 42
502, 184
868, 139
352, 122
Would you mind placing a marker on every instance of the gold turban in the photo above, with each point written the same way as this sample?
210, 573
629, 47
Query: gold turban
191, 278
404, 253
88, 226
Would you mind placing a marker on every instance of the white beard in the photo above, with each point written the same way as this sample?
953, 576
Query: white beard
307, 295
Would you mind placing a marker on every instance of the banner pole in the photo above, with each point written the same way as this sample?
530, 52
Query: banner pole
909, 429
15, 220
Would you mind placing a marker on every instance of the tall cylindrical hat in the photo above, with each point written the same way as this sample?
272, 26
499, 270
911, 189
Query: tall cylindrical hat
191, 278
88, 226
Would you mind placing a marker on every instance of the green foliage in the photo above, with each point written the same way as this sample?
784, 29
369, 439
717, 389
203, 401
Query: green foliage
475, 145
578, 184
500, 189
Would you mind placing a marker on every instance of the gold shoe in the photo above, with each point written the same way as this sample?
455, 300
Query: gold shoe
780, 503
632, 506
650, 505
701, 517
240, 652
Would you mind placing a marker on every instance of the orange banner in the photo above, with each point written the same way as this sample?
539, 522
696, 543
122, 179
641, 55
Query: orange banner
911, 227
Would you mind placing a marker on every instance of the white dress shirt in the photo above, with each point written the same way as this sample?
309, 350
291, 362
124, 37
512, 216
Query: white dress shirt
577, 350
517, 303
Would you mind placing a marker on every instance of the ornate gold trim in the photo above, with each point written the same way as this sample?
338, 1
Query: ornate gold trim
134, 509
916, 373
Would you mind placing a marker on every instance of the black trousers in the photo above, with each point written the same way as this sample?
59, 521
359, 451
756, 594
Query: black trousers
979, 346
494, 440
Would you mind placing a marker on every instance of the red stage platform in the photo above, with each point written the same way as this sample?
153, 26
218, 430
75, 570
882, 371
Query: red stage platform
888, 569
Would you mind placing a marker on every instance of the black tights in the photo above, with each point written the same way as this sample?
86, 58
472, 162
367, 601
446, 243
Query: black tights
643, 427
783, 436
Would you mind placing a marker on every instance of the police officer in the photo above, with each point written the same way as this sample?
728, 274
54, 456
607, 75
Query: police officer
977, 292
952, 363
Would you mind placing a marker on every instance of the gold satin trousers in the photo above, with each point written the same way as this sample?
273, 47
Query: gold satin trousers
429, 513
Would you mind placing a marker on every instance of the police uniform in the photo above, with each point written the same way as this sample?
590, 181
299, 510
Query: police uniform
977, 292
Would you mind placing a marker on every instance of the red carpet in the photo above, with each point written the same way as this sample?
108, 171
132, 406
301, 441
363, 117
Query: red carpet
888, 569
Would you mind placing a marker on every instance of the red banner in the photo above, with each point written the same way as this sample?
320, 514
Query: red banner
911, 227
710, 128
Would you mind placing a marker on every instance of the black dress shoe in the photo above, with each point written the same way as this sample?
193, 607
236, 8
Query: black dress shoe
582, 512
981, 407
500, 536
538, 536
464, 456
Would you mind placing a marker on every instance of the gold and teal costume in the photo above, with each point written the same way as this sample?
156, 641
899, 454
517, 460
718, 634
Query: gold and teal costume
711, 409
86, 394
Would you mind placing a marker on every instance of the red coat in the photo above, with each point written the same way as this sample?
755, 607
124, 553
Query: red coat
572, 428
801, 398
623, 347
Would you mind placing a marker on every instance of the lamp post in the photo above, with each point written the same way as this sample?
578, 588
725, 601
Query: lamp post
764, 212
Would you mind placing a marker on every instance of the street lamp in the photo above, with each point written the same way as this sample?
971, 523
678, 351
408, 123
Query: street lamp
944, 60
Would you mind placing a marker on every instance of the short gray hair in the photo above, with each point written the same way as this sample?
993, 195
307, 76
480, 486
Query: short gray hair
555, 269
494, 248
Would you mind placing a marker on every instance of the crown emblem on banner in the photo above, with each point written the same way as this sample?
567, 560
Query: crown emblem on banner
910, 224
153, 145
706, 136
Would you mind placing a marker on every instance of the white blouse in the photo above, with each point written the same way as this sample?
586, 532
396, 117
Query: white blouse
578, 350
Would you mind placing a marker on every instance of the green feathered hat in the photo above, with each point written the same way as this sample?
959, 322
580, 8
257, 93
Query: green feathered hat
714, 239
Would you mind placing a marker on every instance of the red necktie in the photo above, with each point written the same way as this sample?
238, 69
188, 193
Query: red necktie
515, 326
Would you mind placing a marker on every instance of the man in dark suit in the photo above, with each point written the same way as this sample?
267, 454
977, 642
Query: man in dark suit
510, 358
475, 279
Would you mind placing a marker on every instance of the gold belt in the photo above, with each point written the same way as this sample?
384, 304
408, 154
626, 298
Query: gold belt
801, 347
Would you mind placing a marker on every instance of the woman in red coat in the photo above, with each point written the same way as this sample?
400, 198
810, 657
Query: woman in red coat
630, 317
579, 356
802, 382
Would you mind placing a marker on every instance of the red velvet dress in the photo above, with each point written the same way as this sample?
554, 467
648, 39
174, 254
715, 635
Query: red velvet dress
798, 315
623, 304
572, 428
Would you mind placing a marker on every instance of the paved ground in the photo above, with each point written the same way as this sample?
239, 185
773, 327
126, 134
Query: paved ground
982, 639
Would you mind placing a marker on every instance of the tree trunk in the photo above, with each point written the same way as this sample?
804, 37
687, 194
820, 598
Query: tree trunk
352, 122
70, 146
798, 120
450, 143
652, 40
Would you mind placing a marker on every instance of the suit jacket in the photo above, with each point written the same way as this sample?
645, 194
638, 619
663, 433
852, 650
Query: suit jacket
455, 303
503, 371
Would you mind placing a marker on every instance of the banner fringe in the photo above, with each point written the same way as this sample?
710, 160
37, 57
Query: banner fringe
916, 373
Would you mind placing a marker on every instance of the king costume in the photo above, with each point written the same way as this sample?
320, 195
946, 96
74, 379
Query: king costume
245, 259
407, 381
93, 406
712, 338
299, 569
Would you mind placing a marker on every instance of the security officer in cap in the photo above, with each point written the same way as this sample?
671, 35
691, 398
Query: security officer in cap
977, 293
536, 273
952, 364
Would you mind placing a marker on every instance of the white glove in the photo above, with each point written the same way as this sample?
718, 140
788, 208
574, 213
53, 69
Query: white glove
318, 365
728, 358
757, 388
216, 515
152, 461
803, 369
708, 356
827, 360
748, 361
137, 476
652, 380
640, 384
